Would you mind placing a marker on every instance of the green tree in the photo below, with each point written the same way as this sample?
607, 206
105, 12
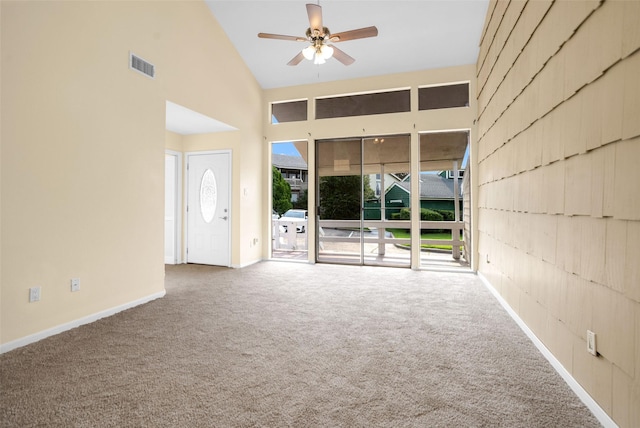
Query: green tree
340, 196
281, 192
301, 203
369, 193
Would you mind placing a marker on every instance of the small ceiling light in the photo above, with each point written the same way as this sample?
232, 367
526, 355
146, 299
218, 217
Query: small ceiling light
319, 59
309, 52
327, 51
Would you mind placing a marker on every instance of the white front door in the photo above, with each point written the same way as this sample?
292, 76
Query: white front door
208, 208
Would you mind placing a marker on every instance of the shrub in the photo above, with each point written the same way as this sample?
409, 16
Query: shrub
425, 215
404, 214
448, 215
430, 215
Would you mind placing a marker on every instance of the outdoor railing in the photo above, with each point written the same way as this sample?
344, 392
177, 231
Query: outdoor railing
286, 237
382, 239
296, 183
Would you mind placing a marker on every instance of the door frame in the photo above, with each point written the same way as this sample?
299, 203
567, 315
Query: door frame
188, 155
179, 206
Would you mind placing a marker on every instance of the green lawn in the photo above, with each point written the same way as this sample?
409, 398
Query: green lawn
404, 233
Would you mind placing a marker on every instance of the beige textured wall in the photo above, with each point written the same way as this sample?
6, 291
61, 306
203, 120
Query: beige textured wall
559, 208
83, 140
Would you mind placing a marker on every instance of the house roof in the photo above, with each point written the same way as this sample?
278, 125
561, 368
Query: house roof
288, 162
432, 186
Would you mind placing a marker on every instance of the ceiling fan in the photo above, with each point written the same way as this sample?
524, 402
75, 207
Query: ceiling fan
319, 38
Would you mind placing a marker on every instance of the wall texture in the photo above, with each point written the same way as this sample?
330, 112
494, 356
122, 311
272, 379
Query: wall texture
83, 140
559, 209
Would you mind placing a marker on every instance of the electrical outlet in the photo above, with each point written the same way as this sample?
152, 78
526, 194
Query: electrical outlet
75, 284
34, 294
591, 343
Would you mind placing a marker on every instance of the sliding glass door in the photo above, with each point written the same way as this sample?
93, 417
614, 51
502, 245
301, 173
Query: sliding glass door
443, 157
340, 198
364, 200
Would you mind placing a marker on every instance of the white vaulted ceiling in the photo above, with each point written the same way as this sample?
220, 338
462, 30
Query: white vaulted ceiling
413, 35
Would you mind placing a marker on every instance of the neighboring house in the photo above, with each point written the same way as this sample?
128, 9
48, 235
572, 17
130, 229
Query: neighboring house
295, 172
436, 193
375, 182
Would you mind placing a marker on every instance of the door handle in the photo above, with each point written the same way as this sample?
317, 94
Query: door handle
224, 218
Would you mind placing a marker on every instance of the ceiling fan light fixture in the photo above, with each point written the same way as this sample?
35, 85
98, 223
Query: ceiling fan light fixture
309, 52
318, 35
326, 51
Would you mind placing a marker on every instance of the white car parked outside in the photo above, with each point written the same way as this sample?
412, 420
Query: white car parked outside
297, 216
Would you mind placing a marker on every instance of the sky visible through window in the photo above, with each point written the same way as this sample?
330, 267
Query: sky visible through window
284, 149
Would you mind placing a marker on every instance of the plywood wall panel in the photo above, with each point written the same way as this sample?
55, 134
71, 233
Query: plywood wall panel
615, 250
630, 28
621, 401
597, 183
578, 186
591, 116
592, 257
613, 88
632, 267
560, 139
602, 370
604, 31
631, 98
571, 126
627, 180
608, 207
623, 332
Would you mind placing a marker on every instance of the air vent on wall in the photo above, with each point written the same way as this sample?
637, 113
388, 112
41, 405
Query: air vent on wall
142, 66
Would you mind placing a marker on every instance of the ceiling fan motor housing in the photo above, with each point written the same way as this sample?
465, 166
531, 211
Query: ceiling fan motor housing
316, 34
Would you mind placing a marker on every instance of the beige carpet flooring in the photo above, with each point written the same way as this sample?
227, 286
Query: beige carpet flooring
293, 345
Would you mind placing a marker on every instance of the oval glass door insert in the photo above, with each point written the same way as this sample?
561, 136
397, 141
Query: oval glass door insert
208, 196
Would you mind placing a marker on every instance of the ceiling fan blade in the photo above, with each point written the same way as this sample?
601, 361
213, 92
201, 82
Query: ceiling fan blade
315, 17
360, 33
281, 37
342, 57
296, 59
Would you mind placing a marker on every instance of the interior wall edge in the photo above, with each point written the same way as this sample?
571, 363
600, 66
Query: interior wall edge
32, 338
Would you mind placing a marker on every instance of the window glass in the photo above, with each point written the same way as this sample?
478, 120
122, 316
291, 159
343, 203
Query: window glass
208, 196
291, 111
363, 104
448, 96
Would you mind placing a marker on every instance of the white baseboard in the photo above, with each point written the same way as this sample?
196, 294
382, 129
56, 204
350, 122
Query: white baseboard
6, 347
244, 265
584, 396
